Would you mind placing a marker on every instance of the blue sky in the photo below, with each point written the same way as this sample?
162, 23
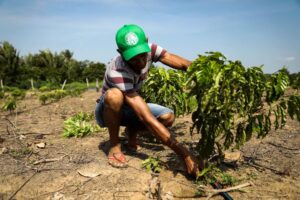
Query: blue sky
255, 32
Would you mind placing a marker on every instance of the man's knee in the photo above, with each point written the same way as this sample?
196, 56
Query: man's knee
167, 119
114, 98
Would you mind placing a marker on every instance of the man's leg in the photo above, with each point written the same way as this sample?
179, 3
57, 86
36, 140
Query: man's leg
112, 114
166, 119
190, 161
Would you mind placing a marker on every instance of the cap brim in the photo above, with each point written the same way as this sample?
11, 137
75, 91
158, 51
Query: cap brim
134, 51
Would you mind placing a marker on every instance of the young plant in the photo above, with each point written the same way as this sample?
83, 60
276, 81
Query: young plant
10, 104
79, 126
82, 116
43, 98
18, 94
57, 94
235, 102
2, 95
44, 89
52, 96
212, 174
152, 164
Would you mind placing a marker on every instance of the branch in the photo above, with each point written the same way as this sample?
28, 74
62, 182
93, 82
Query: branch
212, 192
12, 124
14, 194
48, 160
280, 146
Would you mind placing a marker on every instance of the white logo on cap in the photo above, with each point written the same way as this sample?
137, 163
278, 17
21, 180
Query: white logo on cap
131, 39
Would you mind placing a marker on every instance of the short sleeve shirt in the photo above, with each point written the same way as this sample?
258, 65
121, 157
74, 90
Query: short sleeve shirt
119, 75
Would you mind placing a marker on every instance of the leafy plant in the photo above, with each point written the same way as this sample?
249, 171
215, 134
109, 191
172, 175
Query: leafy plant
44, 88
17, 93
79, 126
296, 80
57, 94
235, 102
212, 174
72, 89
10, 89
10, 104
165, 87
75, 86
43, 98
152, 164
82, 116
52, 96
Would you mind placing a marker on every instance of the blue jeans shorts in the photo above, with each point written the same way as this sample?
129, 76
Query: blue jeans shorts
129, 118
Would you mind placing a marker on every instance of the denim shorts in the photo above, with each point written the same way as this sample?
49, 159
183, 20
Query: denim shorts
129, 118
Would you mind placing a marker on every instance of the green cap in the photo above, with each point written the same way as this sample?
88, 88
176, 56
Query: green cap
131, 41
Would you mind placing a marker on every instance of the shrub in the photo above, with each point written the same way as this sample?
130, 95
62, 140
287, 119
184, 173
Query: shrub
75, 86
43, 98
52, 96
44, 89
10, 104
17, 93
235, 102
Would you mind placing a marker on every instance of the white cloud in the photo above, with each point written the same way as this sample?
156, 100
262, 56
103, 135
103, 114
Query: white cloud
290, 58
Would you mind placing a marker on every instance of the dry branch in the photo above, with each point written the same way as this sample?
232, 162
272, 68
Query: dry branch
14, 194
48, 160
212, 192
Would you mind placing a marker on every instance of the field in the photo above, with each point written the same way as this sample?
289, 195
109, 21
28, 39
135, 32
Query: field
30, 170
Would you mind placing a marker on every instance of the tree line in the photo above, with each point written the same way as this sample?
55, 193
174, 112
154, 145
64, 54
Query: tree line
45, 68
51, 69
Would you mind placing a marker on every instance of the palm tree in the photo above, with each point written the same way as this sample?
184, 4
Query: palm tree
9, 63
67, 54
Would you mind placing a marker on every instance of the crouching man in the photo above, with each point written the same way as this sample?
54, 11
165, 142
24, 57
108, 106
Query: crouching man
121, 105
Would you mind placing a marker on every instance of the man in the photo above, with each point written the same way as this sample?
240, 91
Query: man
121, 105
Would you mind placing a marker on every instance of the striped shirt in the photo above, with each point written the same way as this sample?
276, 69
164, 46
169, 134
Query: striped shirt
119, 75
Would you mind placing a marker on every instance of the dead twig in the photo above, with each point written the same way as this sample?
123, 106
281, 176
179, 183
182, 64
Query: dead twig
127, 191
283, 147
44, 170
15, 131
14, 194
48, 160
82, 184
212, 192
261, 167
267, 197
34, 133
7, 129
12, 124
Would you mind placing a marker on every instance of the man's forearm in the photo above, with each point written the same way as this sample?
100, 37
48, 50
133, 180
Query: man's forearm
175, 61
164, 135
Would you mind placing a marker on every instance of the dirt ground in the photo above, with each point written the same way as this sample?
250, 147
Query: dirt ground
272, 164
